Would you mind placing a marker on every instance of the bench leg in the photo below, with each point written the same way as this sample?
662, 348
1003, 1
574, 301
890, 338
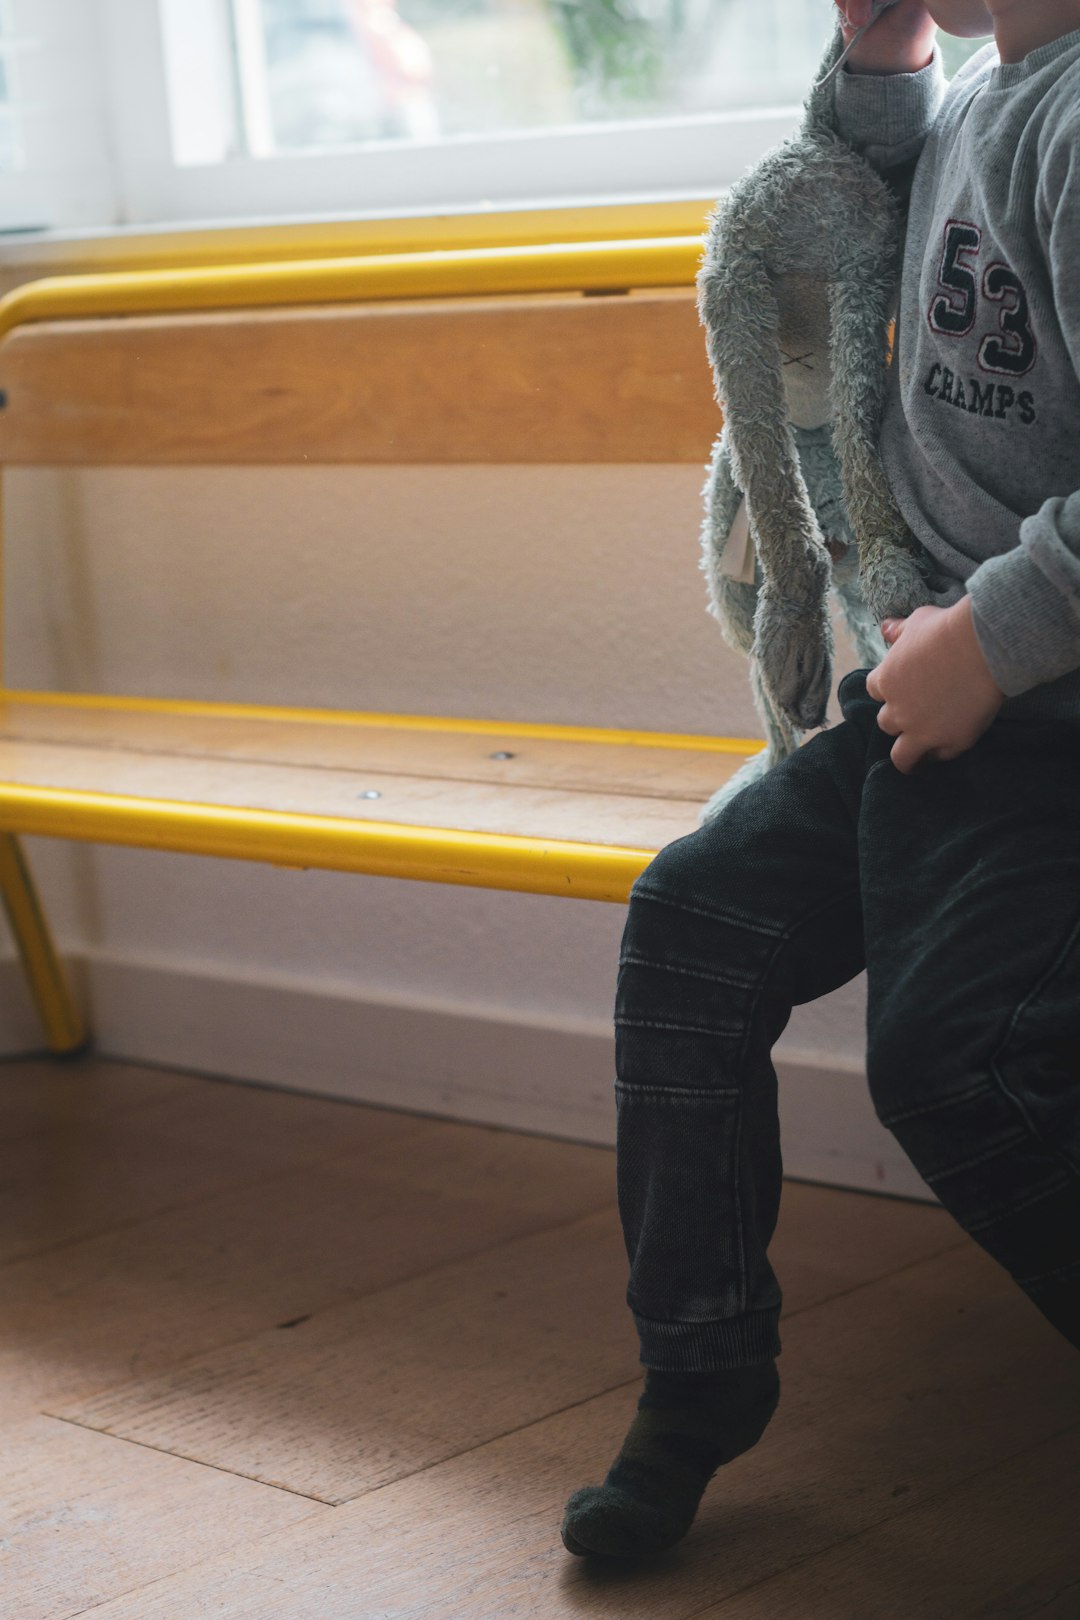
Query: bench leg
64, 1029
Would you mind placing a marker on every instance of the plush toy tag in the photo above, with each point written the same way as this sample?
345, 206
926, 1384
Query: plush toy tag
737, 559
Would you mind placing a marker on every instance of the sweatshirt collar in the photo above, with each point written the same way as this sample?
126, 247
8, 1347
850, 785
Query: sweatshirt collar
1006, 74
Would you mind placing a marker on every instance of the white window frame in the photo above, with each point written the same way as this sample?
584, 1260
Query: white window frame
619, 162
67, 174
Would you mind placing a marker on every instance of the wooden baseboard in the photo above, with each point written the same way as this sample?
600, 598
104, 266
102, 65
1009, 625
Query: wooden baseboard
463, 1063
456, 1062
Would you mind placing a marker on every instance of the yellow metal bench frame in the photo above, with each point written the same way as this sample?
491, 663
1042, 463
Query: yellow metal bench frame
543, 866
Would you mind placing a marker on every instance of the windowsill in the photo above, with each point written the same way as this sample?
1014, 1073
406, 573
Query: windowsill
25, 255
634, 179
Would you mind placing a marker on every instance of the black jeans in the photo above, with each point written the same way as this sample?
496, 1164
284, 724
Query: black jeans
958, 889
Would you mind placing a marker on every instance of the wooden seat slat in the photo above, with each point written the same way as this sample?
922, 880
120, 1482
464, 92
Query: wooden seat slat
518, 812
537, 764
592, 793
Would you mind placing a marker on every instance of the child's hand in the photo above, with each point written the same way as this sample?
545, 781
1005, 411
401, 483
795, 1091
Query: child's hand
938, 692
901, 41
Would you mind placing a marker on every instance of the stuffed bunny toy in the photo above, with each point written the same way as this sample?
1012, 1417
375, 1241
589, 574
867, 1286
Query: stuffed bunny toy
796, 291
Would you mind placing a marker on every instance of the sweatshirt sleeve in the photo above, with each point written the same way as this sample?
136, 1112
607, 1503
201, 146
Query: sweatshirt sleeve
886, 117
1026, 604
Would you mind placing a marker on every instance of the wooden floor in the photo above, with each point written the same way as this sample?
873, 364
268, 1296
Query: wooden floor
266, 1357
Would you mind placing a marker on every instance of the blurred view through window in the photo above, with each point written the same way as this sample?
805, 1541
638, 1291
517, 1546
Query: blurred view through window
125, 112
10, 144
300, 75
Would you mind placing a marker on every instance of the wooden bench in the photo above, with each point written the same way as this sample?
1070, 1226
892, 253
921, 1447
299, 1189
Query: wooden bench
586, 353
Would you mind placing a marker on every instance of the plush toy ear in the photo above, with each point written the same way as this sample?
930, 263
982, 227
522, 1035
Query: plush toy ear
732, 601
792, 628
892, 581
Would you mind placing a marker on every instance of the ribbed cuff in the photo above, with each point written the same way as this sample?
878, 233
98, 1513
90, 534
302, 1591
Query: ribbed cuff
887, 116
744, 1341
1027, 629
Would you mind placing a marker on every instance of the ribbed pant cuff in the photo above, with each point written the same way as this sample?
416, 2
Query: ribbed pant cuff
742, 1341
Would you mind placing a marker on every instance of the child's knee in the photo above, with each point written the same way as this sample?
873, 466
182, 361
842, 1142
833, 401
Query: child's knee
692, 962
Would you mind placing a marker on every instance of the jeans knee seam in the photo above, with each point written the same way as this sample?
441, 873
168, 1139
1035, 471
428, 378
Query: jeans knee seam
631, 959
725, 1094
1050, 1276
1015, 1209
972, 1164
735, 919
936, 1107
730, 1030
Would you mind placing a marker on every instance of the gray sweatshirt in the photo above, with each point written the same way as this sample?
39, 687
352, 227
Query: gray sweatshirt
981, 432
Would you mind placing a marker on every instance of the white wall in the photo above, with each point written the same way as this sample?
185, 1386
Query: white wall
535, 593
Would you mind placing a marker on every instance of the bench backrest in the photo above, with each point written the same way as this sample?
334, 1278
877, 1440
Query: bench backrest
545, 378
501, 354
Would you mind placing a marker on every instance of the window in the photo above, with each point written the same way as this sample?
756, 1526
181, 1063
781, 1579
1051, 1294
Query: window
376, 106
11, 154
254, 109
315, 74
54, 165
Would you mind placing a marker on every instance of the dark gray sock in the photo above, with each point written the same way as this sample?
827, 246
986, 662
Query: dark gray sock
687, 1426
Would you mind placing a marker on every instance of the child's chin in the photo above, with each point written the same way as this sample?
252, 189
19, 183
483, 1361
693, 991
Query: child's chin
964, 19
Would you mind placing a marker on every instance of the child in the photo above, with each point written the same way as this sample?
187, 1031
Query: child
933, 837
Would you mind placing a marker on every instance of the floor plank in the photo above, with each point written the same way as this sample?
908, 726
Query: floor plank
395, 1196
456, 1341
901, 1404
375, 1389
88, 1176
131, 1302
382, 1387
1004, 1543
86, 1519
39, 1094
282, 1290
